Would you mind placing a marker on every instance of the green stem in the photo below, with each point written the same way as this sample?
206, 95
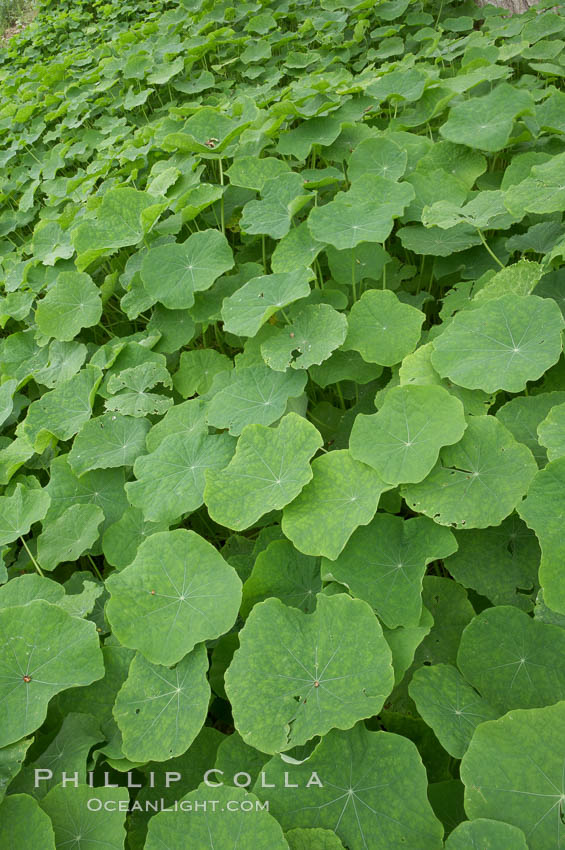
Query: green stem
222, 198
491, 252
353, 276
319, 276
95, 568
34, 562
219, 339
340, 395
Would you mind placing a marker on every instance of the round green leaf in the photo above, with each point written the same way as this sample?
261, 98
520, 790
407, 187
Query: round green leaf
252, 172
437, 242
352, 265
377, 155
513, 660
7, 390
120, 221
486, 122
170, 480
313, 335
11, 759
24, 825
269, 469
255, 395
108, 440
451, 610
159, 711
241, 825
173, 273
121, 540
177, 592
341, 487
523, 415
87, 824
477, 482
403, 440
53, 651
313, 839
449, 705
63, 411
487, 834
373, 792
189, 416
69, 536
19, 511
282, 198
500, 345
67, 751
365, 213
317, 131
384, 564
197, 369
513, 770
383, 329
500, 563
551, 432
312, 673
175, 326
71, 304
23, 589
102, 487
344, 366
543, 510
283, 572
248, 308
296, 250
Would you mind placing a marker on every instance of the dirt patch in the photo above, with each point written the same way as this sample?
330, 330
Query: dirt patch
21, 21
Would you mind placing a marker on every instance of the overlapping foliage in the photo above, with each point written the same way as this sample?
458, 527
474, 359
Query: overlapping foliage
282, 411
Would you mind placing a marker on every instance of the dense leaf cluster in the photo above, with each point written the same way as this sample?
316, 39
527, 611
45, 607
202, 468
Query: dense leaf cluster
282, 414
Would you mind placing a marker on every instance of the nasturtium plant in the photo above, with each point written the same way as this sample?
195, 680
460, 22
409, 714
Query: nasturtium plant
477, 482
370, 777
173, 273
489, 833
319, 676
450, 705
384, 564
268, 470
513, 771
317, 331
260, 831
501, 344
108, 440
71, 304
44, 651
282, 428
155, 601
542, 510
339, 482
170, 480
513, 660
70, 535
403, 440
281, 571
383, 329
175, 699
24, 822
253, 395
